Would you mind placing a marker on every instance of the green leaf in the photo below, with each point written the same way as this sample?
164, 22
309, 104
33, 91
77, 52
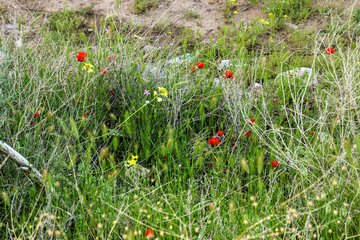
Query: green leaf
260, 162
74, 128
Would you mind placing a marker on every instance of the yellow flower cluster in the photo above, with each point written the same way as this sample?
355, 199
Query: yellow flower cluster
133, 160
88, 67
163, 92
264, 21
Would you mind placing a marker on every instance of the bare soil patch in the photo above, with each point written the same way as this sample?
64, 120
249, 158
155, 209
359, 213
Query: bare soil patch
205, 16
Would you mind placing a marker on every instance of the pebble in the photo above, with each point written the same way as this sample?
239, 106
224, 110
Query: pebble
291, 26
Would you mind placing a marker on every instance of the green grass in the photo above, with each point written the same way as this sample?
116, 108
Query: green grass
356, 15
192, 15
297, 10
91, 124
142, 6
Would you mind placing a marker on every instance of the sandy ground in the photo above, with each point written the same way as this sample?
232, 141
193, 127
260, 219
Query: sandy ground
210, 13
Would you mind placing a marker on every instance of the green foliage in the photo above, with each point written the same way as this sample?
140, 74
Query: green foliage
230, 7
192, 15
67, 21
141, 6
297, 10
356, 15
71, 23
91, 124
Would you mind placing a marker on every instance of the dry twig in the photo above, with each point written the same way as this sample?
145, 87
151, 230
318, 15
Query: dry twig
18, 158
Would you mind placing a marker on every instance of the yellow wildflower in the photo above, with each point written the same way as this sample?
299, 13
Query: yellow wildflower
233, 1
285, 16
88, 67
236, 12
133, 160
264, 21
270, 14
163, 92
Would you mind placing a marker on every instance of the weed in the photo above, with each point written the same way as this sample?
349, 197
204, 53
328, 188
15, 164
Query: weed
67, 21
356, 15
231, 9
142, 6
126, 154
297, 10
192, 15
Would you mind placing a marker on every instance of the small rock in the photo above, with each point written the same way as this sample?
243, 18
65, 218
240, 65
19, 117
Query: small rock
224, 64
291, 26
298, 72
9, 27
19, 43
302, 72
150, 48
258, 88
255, 91
181, 59
153, 72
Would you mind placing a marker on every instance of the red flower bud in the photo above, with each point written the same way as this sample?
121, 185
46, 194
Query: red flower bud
220, 133
149, 234
36, 114
275, 163
229, 74
200, 65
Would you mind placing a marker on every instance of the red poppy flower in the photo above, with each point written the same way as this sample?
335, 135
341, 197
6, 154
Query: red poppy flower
149, 234
200, 65
229, 74
220, 133
214, 141
103, 71
36, 114
330, 50
193, 69
252, 120
248, 133
81, 56
275, 163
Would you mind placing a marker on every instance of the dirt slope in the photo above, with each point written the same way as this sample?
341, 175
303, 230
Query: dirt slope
206, 16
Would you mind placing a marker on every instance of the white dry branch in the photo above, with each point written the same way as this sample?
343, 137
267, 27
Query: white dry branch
18, 158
